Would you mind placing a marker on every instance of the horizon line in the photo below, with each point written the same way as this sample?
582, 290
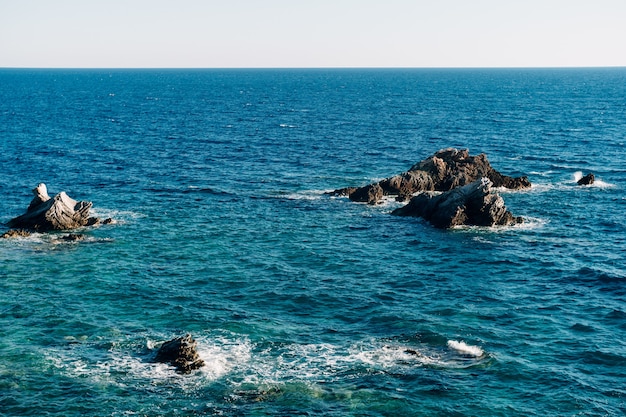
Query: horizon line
308, 68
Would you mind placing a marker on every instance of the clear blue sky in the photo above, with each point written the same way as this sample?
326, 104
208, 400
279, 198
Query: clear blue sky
312, 33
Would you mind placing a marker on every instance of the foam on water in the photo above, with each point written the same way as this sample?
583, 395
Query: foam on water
597, 183
122, 364
465, 349
120, 216
240, 363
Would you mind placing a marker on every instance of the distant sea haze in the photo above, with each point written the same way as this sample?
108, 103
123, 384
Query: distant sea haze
303, 303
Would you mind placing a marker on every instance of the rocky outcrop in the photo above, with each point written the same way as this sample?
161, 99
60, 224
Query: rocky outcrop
587, 179
473, 204
58, 213
445, 170
180, 353
15, 233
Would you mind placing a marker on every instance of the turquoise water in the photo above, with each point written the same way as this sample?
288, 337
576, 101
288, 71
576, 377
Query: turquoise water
301, 303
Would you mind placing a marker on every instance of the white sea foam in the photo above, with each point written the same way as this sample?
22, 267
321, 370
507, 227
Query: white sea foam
578, 176
245, 364
123, 365
303, 195
597, 183
465, 349
121, 216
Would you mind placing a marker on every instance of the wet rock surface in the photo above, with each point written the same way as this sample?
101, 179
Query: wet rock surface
447, 169
59, 213
181, 353
473, 204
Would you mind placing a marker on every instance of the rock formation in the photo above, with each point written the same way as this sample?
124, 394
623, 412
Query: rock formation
445, 170
180, 353
587, 179
15, 233
473, 204
58, 213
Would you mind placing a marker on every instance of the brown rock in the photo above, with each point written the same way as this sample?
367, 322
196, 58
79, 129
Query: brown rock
15, 233
445, 170
370, 194
473, 204
180, 353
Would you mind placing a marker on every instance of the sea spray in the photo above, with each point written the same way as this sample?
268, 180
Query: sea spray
465, 349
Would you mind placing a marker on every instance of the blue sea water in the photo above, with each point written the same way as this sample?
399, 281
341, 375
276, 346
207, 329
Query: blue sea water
301, 303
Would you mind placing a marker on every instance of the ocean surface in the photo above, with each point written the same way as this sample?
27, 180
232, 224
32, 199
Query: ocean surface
302, 303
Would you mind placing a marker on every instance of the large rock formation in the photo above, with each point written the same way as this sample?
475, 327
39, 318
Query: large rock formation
180, 353
58, 213
473, 204
445, 170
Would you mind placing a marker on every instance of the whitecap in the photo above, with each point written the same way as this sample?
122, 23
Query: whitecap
465, 349
578, 175
597, 183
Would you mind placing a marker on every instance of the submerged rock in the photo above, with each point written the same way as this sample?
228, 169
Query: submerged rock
58, 213
72, 237
15, 233
587, 179
473, 204
180, 353
445, 170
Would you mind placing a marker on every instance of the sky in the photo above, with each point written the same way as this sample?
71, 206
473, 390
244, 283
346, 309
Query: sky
311, 33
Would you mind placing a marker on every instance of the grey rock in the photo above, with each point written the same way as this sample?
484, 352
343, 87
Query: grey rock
181, 353
58, 213
445, 170
473, 204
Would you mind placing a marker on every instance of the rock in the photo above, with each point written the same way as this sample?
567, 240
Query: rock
445, 170
73, 237
587, 179
408, 183
180, 353
58, 213
15, 233
473, 204
342, 192
370, 194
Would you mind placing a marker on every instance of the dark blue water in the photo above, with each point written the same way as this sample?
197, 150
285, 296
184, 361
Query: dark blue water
303, 304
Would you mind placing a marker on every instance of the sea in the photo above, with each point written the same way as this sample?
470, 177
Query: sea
303, 303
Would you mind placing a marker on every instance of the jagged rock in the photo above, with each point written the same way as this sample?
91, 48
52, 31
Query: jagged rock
58, 213
473, 204
407, 183
15, 233
587, 179
445, 170
73, 237
180, 353
370, 194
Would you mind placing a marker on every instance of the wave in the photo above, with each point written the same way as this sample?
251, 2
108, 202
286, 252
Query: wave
301, 195
598, 183
529, 223
465, 349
